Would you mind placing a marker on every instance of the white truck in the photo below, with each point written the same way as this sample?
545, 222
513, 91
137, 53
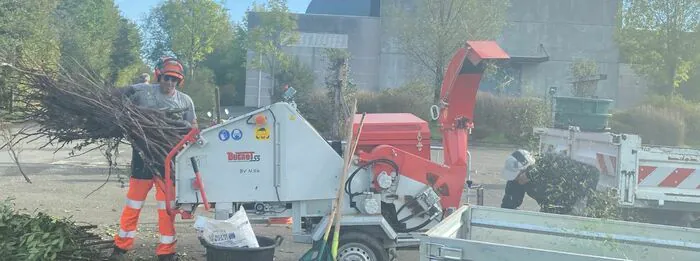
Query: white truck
661, 182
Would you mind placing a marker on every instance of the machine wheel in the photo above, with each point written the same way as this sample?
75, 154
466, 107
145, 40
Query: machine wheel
357, 246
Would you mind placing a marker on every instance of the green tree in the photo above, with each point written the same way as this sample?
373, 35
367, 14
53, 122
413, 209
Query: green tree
202, 89
87, 31
297, 75
270, 28
126, 59
27, 36
228, 65
340, 89
585, 76
189, 29
659, 38
429, 32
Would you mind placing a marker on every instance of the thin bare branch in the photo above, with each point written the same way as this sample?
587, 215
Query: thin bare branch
73, 108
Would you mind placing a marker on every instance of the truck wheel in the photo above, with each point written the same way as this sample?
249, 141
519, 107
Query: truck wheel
356, 246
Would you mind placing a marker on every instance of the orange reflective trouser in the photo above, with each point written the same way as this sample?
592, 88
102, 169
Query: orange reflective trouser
138, 191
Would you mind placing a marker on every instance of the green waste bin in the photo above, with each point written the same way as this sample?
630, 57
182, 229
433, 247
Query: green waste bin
589, 114
585, 121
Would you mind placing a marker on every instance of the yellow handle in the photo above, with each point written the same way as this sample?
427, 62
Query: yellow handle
334, 246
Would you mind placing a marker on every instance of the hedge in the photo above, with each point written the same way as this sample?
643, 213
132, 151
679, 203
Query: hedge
657, 126
315, 107
661, 120
413, 98
514, 117
510, 117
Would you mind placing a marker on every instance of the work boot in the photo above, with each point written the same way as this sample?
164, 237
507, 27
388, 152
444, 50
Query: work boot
118, 254
168, 257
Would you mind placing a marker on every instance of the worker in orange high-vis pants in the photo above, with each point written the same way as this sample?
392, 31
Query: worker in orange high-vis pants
163, 96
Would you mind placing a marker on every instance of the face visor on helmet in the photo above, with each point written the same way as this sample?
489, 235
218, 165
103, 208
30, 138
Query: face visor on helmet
517, 162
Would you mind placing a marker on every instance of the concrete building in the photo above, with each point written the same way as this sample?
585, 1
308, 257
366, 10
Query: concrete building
543, 37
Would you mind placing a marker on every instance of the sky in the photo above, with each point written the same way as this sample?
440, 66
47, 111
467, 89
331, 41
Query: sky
136, 9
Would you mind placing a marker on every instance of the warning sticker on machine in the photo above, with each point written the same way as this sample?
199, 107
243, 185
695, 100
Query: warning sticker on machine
262, 133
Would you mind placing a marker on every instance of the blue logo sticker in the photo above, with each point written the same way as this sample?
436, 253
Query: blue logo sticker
236, 134
224, 135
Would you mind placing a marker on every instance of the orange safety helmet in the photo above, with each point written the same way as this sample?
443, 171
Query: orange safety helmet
170, 66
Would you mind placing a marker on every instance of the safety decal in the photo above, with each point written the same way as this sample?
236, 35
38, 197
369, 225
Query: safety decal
262, 133
236, 134
224, 135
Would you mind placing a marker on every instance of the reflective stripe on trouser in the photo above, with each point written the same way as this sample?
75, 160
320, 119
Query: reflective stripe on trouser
166, 224
138, 191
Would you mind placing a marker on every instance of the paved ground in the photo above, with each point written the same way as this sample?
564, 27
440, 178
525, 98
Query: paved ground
61, 184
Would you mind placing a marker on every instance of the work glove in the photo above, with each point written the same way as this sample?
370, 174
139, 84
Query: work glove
183, 126
174, 115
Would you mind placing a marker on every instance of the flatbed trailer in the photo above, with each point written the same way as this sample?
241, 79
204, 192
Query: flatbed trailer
479, 233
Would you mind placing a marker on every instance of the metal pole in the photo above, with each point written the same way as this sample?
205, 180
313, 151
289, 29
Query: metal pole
553, 113
217, 101
469, 165
480, 196
259, 82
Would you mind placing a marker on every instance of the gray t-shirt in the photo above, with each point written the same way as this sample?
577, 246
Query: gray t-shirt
149, 96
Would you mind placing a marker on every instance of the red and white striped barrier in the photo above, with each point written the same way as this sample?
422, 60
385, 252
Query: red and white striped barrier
669, 177
607, 164
653, 176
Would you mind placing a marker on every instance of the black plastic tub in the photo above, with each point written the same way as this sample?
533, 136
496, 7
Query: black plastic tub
266, 251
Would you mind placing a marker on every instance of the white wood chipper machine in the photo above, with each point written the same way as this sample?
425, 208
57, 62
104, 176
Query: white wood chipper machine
273, 162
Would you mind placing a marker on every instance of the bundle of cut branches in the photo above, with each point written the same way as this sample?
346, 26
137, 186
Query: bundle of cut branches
75, 107
43, 237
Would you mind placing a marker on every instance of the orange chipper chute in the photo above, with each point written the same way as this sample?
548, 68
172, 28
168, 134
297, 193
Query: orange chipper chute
455, 115
458, 96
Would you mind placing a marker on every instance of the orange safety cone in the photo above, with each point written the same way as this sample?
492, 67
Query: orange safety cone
280, 220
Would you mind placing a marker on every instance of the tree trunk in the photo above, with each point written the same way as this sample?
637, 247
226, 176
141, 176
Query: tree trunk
438, 84
339, 113
274, 83
671, 76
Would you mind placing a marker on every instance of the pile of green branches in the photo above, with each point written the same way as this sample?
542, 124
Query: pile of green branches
42, 237
75, 107
558, 182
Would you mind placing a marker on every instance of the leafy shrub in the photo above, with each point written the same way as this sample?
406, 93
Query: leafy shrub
315, 107
514, 116
657, 126
558, 182
488, 112
524, 114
